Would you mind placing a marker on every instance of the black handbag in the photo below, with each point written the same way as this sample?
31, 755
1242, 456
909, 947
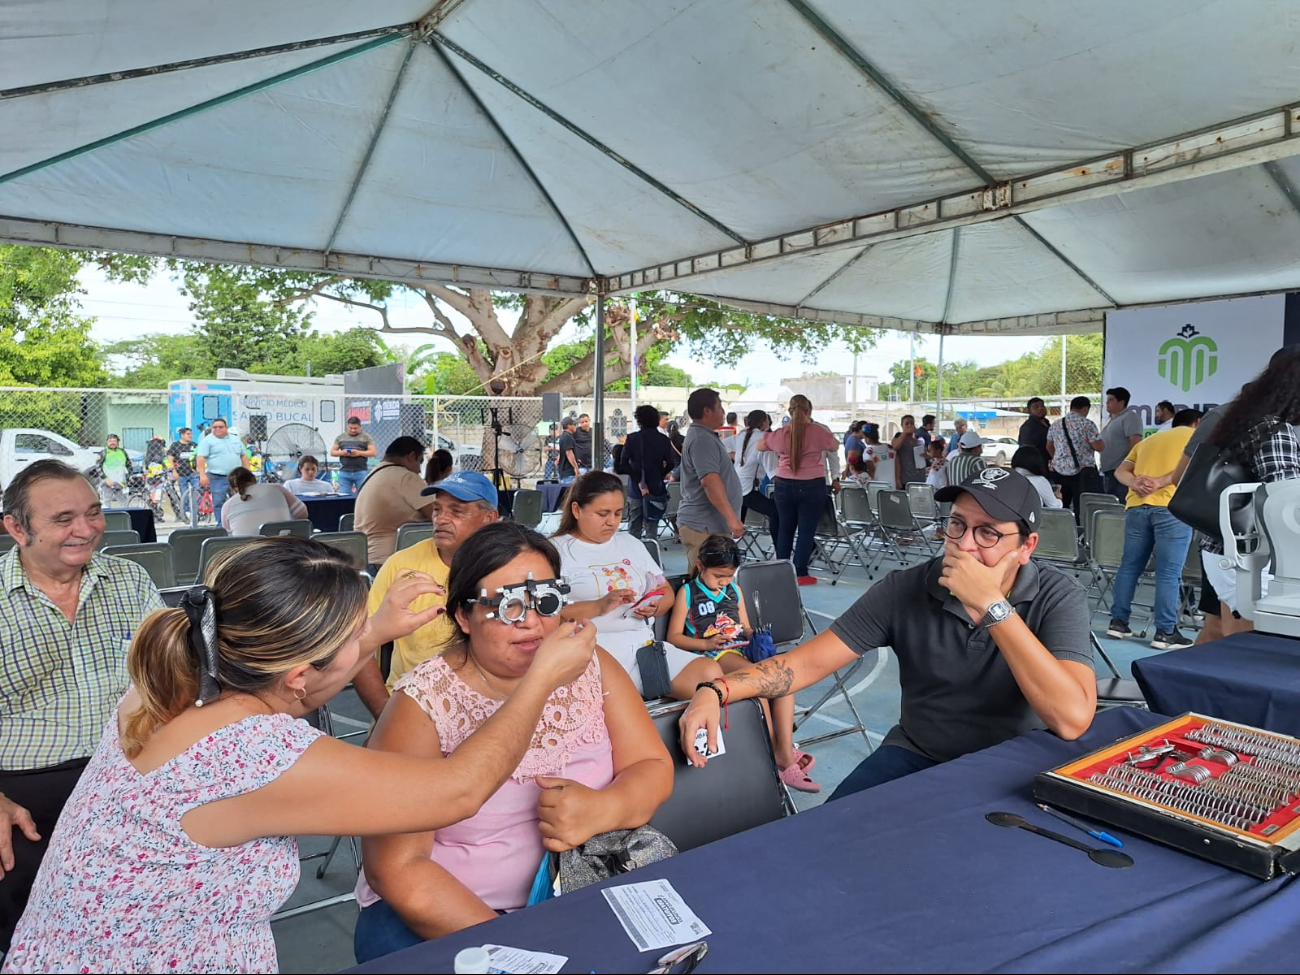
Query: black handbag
652, 660
1211, 470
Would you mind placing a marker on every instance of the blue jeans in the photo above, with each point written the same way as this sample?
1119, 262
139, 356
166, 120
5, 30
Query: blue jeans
381, 931
886, 763
799, 504
219, 485
189, 483
350, 481
1148, 527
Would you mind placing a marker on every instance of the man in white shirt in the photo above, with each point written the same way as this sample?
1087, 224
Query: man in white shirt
1164, 415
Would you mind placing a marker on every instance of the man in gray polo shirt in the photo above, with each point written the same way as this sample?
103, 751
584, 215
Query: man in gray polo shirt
1120, 435
711, 493
990, 644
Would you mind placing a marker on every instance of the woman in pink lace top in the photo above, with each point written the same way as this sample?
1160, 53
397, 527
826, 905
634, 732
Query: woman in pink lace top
176, 846
595, 762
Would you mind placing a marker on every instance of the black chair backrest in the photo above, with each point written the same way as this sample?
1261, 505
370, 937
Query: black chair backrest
771, 592
127, 537
652, 547
735, 791
172, 597
529, 507
300, 527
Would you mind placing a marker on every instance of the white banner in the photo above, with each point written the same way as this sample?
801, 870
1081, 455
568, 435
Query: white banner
1195, 355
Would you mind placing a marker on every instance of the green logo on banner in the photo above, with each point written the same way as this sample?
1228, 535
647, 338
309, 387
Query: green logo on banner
1188, 359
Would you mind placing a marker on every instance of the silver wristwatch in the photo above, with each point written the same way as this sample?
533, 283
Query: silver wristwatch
995, 614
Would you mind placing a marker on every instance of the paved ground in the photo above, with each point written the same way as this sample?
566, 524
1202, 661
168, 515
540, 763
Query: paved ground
321, 941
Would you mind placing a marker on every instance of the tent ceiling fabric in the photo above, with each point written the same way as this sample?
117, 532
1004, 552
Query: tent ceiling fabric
859, 161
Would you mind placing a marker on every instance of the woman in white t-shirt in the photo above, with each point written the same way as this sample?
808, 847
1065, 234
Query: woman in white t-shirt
1029, 462
306, 482
251, 505
754, 467
616, 584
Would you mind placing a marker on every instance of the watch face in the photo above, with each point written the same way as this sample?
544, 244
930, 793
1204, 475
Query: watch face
999, 611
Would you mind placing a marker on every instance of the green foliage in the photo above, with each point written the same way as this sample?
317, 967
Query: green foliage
445, 374
1035, 373
654, 369
241, 329
722, 335
44, 341
329, 354
153, 361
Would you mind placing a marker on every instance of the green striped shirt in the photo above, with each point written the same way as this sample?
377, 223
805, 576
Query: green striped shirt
962, 466
59, 679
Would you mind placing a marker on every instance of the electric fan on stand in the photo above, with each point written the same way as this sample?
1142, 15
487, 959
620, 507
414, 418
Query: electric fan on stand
289, 444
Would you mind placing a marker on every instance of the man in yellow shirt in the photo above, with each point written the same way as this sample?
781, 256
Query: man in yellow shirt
1149, 525
463, 503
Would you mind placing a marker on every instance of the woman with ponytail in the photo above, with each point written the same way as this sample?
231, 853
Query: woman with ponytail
177, 845
801, 493
251, 505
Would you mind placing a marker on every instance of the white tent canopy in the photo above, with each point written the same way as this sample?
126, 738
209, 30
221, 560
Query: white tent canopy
929, 165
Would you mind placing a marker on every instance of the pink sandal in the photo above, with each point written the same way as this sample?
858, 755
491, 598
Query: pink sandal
799, 760
797, 778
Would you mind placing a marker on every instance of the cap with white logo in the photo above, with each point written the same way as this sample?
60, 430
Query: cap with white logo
1003, 493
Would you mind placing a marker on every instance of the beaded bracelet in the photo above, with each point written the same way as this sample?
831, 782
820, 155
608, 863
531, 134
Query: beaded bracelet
722, 703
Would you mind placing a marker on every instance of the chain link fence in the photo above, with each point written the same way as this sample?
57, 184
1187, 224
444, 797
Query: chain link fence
516, 436
512, 435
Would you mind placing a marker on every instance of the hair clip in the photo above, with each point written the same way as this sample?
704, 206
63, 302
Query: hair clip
201, 609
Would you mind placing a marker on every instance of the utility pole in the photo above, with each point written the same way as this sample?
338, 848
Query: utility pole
911, 375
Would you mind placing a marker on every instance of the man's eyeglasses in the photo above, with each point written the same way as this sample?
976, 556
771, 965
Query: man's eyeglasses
985, 535
512, 603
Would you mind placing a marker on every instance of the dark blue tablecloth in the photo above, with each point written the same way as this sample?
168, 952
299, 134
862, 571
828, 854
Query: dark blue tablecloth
326, 510
1253, 678
909, 877
551, 494
143, 523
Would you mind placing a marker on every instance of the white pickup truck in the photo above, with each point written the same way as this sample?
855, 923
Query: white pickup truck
20, 447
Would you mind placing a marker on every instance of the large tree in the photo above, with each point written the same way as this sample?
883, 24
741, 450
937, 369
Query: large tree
253, 315
44, 339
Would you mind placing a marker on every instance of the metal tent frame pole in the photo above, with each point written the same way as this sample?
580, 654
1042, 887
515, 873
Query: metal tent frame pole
598, 396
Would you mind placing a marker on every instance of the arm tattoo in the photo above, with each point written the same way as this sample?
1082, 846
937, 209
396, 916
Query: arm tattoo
771, 679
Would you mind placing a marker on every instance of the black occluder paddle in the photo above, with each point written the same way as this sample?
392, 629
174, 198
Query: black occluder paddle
1107, 858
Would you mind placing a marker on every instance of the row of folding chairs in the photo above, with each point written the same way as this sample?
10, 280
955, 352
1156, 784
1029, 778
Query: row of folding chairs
187, 553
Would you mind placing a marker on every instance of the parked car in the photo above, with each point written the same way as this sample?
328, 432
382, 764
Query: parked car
999, 450
468, 457
21, 446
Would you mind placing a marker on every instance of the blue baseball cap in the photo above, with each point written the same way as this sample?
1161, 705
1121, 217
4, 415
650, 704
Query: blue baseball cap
466, 486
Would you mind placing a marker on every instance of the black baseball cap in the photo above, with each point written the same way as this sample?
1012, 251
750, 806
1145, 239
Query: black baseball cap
1003, 493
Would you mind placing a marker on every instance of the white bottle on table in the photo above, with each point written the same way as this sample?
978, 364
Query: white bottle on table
472, 961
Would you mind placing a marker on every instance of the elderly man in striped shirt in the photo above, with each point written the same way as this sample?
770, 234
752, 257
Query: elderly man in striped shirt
67, 614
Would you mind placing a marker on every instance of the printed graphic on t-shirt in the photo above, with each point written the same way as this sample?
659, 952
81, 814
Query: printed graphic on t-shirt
615, 576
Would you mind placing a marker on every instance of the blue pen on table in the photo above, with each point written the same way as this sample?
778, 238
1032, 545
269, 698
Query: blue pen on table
1080, 825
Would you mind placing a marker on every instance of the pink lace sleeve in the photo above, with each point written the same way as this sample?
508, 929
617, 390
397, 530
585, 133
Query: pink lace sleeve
574, 715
